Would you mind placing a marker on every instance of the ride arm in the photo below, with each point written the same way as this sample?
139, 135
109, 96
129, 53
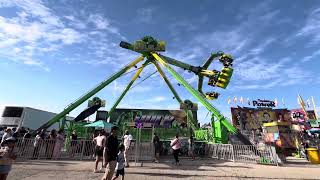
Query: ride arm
85, 97
180, 64
211, 58
200, 83
189, 113
196, 94
134, 78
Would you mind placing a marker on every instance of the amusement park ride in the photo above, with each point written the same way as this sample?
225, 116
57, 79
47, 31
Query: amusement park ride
150, 49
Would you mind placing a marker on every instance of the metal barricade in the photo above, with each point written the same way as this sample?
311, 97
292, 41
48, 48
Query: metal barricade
243, 153
222, 151
143, 151
49, 149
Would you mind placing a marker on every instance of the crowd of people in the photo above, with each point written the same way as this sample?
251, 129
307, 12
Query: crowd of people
113, 155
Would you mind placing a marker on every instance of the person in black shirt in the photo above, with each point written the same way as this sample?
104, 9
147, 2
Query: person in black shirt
157, 147
111, 153
27, 142
73, 143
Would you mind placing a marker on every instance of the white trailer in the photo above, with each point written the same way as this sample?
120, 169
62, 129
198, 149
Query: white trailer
17, 116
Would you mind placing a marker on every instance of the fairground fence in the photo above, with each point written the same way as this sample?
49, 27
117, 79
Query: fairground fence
243, 153
143, 151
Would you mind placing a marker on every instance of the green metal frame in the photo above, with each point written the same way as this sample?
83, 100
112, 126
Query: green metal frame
134, 78
85, 97
219, 134
219, 122
190, 119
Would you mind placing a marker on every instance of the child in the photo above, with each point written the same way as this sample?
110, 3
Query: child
7, 156
120, 163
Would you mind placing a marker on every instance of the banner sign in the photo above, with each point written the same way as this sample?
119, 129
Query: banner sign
245, 118
264, 103
148, 118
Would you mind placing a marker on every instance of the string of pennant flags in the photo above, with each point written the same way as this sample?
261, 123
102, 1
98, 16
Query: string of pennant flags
309, 103
277, 103
248, 101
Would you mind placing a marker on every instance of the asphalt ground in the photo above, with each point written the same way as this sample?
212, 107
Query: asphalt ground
165, 170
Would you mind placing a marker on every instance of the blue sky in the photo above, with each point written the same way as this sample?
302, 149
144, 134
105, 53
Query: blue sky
51, 52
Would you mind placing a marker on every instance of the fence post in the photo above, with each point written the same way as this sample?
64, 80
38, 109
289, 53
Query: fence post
82, 150
274, 154
232, 151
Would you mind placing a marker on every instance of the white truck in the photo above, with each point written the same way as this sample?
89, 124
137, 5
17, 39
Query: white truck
17, 116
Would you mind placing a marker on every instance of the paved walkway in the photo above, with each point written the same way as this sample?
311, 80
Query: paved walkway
199, 169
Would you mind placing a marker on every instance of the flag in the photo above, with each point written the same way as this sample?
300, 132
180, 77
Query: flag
241, 100
314, 107
302, 104
229, 100
235, 99
276, 102
308, 103
283, 103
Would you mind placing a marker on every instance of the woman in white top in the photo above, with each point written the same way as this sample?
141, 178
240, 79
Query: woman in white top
176, 145
127, 138
100, 141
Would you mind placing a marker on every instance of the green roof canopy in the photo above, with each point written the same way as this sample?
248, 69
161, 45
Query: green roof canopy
101, 124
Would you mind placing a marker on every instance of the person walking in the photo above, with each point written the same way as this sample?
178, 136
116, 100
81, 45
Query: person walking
120, 163
191, 147
1, 132
99, 141
38, 142
176, 145
157, 147
127, 138
7, 156
27, 144
112, 151
7, 134
58, 145
50, 143
73, 143
105, 156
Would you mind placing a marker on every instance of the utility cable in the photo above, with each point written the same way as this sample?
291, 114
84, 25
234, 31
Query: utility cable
134, 70
144, 79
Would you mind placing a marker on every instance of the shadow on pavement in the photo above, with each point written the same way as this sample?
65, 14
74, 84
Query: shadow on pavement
188, 164
49, 162
170, 175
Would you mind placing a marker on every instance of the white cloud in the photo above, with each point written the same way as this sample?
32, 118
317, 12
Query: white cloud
34, 31
310, 57
99, 21
145, 15
193, 79
159, 99
275, 75
312, 27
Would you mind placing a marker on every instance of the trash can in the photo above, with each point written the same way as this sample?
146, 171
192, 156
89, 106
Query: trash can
313, 155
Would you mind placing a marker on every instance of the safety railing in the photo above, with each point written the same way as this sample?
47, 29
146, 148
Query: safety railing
243, 153
74, 150
51, 149
222, 151
143, 151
